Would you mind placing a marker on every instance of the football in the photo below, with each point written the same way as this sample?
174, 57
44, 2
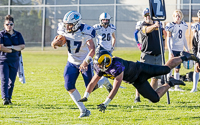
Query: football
188, 64
59, 41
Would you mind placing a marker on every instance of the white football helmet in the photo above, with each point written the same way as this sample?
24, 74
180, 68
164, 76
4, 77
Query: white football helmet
188, 64
198, 14
72, 17
104, 16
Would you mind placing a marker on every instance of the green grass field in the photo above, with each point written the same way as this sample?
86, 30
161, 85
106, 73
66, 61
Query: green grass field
44, 100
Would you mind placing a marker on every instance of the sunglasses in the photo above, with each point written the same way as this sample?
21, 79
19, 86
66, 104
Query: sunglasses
11, 24
146, 15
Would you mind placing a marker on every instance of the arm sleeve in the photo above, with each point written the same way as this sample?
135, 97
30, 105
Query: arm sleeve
168, 44
136, 35
185, 44
194, 45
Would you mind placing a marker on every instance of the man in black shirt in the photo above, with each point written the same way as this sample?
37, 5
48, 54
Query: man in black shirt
150, 49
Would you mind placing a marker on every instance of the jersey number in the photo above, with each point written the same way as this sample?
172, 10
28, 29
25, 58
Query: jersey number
158, 12
106, 37
76, 43
180, 34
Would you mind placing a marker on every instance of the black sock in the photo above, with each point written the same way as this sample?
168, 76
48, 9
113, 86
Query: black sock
184, 58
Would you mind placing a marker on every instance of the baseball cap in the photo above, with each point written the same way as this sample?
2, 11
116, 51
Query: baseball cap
145, 11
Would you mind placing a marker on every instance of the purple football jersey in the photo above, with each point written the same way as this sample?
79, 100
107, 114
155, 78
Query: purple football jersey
117, 67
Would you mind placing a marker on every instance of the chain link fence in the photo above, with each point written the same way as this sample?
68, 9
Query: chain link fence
37, 19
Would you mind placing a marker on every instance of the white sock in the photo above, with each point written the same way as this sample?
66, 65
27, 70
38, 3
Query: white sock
76, 96
86, 94
195, 80
176, 76
169, 74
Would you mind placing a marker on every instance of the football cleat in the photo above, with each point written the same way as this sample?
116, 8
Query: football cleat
178, 89
137, 99
101, 107
170, 89
10, 103
84, 99
173, 82
189, 56
193, 90
5, 101
85, 113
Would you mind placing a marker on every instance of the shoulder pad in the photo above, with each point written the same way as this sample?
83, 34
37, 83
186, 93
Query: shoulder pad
61, 25
169, 27
139, 22
112, 26
184, 24
88, 30
97, 26
137, 27
61, 29
194, 26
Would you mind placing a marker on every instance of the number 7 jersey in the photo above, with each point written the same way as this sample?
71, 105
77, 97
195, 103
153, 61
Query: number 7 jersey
77, 42
178, 35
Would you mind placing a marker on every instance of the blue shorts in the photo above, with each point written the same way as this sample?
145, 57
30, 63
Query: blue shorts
71, 73
177, 54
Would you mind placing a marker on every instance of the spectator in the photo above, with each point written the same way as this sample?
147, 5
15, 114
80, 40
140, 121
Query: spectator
11, 43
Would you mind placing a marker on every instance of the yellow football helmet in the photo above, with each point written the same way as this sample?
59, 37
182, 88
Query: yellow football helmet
103, 59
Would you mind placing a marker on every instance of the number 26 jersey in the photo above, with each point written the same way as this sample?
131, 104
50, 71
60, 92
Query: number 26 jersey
104, 35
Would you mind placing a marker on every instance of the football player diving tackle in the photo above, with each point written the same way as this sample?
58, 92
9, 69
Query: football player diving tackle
135, 73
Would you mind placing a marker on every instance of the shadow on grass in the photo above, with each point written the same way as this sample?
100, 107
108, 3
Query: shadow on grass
143, 107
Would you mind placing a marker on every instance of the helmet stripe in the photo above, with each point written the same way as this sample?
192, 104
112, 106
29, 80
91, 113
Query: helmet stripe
69, 14
101, 58
105, 15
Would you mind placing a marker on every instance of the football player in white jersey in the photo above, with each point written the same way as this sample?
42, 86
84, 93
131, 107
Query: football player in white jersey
81, 50
105, 37
176, 40
105, 32
196, 50
137, 29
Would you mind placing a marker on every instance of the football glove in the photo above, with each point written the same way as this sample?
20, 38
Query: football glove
139, 46
112, 49
101, 107
84, 99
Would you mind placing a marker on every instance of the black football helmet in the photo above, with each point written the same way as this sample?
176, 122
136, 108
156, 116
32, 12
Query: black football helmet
103, 59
